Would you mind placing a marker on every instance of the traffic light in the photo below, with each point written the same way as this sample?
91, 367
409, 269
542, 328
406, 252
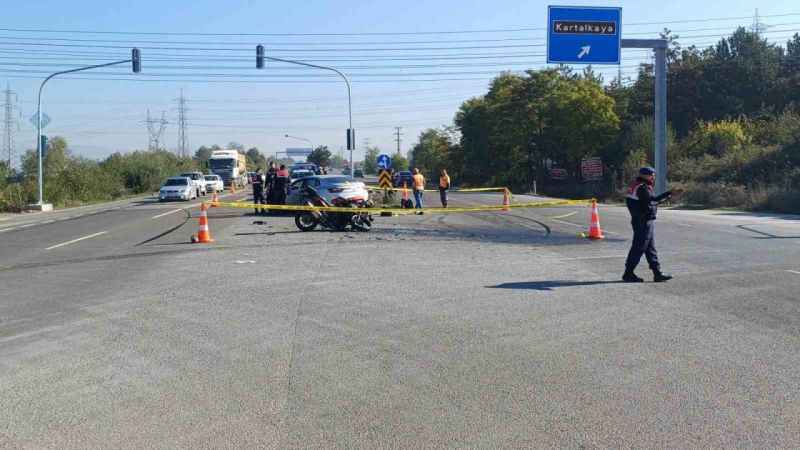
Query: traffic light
136, 60
44, 146
259, 56
351, 139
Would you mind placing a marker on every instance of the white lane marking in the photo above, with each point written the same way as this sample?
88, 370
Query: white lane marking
563, 216
567, 223
76, 240
167, 213
7, 229
581, 226
794, 272
27, 225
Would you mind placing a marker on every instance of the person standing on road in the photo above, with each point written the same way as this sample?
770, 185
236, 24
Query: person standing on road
258, 191
419, 188
643, 205
444, 185
281, 184
269, 182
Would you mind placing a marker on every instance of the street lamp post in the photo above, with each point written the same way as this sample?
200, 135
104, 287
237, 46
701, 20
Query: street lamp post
300, 139
40, 204
260, 57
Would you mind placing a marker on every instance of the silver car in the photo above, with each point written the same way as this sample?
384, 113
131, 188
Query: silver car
329, 187
177, 188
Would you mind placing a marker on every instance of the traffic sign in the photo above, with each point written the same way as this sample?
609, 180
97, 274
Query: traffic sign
592, 169
45, 120
583, 35
384, 162
385, 179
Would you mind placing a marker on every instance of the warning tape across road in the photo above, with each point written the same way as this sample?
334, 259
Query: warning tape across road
401, 211
489, 189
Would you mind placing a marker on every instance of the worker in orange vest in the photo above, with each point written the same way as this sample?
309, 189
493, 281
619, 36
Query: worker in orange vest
419, 188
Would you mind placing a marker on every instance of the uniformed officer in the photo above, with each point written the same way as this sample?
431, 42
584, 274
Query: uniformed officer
643, 206
258, 191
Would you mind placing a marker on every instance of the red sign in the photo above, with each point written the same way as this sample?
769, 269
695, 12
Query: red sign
592, 169
558, 173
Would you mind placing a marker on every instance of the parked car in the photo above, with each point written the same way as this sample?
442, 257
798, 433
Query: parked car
198, 181
330, 187
404, 176
177, 188
214, 183
300, 173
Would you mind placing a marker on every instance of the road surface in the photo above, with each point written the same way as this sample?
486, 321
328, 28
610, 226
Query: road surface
480, 330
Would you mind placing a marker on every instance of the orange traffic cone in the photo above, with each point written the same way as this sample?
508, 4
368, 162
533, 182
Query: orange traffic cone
204, 234
595, 232
506, 200
214, 200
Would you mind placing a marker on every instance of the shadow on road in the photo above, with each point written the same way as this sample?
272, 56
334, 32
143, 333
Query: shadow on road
549, 285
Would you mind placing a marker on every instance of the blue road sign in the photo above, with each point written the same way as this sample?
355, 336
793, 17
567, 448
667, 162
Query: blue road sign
384, 162
583, 35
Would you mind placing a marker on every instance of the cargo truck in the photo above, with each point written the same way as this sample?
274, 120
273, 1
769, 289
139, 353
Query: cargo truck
230, 165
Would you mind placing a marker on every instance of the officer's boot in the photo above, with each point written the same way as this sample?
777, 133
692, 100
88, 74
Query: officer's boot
659, 277
630, 277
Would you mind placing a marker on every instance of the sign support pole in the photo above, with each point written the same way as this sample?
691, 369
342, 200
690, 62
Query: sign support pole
659, 46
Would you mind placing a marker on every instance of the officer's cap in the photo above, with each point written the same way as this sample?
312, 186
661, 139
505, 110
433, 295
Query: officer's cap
647, 171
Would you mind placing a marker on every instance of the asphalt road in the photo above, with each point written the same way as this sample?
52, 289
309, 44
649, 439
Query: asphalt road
480, 330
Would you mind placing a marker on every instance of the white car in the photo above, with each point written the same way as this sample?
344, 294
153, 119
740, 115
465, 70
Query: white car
213, 183
329, 187
197, 181
177, 188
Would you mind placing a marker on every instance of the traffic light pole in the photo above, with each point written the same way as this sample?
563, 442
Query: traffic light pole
659, 46
350, 134
40, 205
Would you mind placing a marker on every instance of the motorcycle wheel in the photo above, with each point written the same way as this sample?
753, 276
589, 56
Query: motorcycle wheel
361, 223
305, 221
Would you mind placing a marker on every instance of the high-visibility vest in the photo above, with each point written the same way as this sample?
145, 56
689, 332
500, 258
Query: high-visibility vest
444, 181
419, 182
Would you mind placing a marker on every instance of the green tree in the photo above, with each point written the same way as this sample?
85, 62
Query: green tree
256, 159
320, 156
399, 162
337, 162
370, 164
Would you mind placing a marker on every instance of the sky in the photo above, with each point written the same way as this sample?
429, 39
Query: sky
411, 64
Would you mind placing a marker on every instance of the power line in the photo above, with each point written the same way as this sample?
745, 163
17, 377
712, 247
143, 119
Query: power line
395, 33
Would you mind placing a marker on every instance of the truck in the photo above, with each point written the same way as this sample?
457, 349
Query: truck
230, 165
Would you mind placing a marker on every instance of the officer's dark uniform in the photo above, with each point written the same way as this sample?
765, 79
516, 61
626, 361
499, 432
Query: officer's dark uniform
258, 192
643, 205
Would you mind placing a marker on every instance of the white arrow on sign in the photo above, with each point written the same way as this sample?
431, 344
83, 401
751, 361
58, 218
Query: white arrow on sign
584, 51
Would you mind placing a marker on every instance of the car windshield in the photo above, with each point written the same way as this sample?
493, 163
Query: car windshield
190, 175
336, 181
211, 178
176, 182
219, 164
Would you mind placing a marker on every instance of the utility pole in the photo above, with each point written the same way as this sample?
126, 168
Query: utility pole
155, 129
758, 27
397, 134
8, 125
182, 141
